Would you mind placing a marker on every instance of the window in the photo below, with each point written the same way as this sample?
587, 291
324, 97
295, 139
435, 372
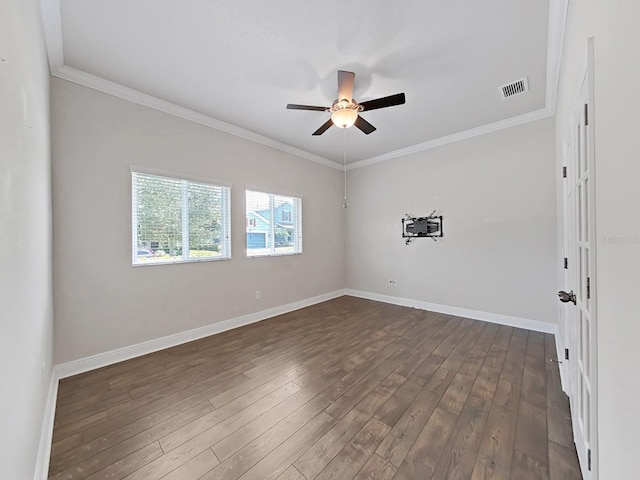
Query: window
277, 224
176, 220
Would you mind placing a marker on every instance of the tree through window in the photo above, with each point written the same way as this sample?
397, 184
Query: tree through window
177, 220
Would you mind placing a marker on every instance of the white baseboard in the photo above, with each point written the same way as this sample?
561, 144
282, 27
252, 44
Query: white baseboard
525, 323
125, 353
528, 324
108, 358
46, 435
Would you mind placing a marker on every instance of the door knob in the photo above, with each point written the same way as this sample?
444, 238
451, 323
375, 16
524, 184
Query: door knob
567, 297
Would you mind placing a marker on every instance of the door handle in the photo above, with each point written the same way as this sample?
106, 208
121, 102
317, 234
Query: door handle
567, 297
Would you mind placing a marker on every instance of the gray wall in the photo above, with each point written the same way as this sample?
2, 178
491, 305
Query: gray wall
614, 26
488, 261
103, 303
496, 193
26, 313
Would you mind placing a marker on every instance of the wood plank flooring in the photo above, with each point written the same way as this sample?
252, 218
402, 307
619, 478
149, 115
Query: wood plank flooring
346, 389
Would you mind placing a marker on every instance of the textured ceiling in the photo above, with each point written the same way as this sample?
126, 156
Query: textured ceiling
241, 62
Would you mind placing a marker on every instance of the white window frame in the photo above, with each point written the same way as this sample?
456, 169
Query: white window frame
296, 216
185, 182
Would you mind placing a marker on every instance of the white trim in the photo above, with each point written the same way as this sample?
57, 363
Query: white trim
135, 96
180, 176
456, 137
53, 31
271, 191
593, 235
46, 435
52, 23
100, 360
109, 358
555, 44
535, 325
555, 40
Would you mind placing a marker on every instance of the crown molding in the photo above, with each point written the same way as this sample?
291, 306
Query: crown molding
97, 83
555, 45
53, 33
455, 137
52, 23
555, 41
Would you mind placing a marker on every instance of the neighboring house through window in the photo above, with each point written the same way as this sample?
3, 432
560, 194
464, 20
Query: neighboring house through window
274, 224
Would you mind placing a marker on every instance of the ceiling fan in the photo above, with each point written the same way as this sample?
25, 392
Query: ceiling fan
345, 110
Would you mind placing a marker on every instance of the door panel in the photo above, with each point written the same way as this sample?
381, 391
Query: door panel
580, 277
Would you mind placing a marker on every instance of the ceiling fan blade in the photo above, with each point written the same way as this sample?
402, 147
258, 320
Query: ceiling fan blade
345, 85
293, 106
363, 125
325, 126
390, 101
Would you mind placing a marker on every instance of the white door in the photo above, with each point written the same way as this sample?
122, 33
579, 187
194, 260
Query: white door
580, 312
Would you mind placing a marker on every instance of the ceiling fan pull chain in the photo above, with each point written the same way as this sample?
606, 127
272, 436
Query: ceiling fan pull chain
344, 149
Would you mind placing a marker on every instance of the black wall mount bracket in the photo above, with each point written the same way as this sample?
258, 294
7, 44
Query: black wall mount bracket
418, 227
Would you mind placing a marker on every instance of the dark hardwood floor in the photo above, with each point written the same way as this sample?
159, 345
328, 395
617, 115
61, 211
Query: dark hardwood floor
346, 389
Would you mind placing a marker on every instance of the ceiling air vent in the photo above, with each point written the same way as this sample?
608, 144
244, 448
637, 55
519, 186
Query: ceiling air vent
515, 88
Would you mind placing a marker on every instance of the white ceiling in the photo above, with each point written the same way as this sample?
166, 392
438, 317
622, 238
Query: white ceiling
234, 65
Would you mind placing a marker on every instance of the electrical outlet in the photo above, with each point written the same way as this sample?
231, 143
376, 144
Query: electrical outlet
393, 283
258, 295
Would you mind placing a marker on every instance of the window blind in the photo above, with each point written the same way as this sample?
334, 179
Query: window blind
176, 220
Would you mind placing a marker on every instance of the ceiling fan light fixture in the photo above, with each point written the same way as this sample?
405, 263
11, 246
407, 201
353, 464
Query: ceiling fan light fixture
344, 113
344, 118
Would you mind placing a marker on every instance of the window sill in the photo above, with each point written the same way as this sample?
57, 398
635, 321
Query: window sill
174, 262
